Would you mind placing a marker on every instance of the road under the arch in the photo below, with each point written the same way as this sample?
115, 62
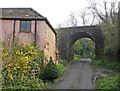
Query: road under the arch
78, 76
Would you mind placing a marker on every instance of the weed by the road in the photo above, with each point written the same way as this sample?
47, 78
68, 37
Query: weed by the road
107, 64
110, 83
63, 61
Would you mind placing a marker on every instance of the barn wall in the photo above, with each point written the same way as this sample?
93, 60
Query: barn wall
45, 37
50, 43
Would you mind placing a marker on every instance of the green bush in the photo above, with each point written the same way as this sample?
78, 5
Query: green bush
27, 84
52, 71
111, 83
110, 43
107, 64
76, 57
60, 69
63, 61
119, 81
108, 83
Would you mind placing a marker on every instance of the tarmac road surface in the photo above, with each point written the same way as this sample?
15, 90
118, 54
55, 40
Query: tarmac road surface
78, 77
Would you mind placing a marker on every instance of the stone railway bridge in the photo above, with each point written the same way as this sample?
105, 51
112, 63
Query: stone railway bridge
68, 36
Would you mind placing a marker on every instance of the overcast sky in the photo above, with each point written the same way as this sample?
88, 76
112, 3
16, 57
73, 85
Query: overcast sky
56, 11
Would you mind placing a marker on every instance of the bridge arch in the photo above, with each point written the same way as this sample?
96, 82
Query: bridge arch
73, 38
68, 36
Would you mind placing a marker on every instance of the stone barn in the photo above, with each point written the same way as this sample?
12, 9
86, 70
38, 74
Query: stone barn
25, 25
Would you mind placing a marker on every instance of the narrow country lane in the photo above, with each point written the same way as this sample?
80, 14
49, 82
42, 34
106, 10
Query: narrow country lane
79, 76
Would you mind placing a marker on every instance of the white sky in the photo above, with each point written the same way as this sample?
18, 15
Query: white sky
56, 11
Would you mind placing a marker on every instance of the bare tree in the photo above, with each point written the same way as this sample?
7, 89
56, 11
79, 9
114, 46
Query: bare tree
73, 20
59, 25
93, 6
109, 10
113, 11
83, 14
88, 16
70, 22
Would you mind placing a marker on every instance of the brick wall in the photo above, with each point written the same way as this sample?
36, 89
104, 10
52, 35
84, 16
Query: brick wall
50, 43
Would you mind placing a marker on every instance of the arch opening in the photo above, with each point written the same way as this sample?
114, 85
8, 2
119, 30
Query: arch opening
83, 48
83, 36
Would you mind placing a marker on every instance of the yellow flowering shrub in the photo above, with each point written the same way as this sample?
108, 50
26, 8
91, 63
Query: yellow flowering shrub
21, 62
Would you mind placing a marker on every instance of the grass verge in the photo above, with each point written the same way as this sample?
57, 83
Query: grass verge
113, 82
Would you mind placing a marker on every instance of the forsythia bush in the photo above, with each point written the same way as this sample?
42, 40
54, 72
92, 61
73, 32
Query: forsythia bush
20, 63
